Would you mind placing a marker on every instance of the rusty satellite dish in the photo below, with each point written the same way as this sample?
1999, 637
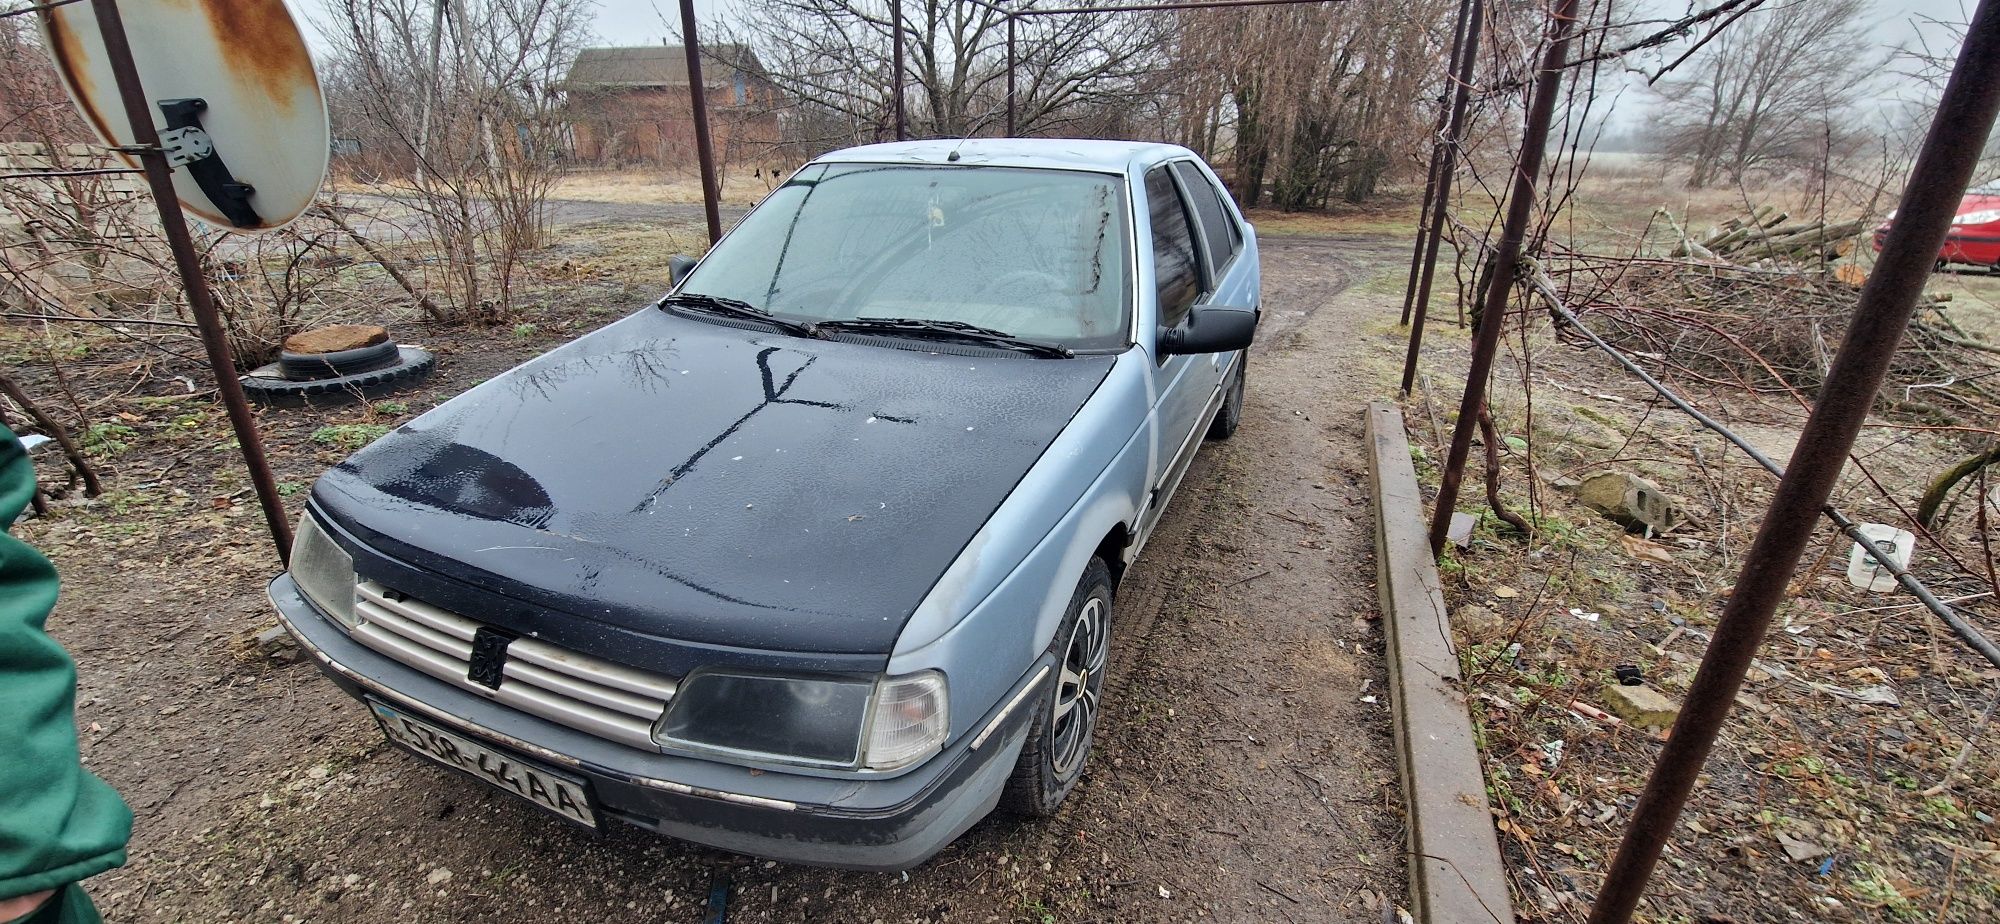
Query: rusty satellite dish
233, 91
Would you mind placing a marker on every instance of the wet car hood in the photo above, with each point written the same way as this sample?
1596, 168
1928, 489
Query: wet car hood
689, 480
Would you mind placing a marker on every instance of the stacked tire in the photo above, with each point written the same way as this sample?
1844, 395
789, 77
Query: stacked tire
338, 365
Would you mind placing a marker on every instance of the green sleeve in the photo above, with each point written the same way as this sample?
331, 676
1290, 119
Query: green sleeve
58, 823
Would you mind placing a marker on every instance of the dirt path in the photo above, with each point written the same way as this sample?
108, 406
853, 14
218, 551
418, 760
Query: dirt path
1245, 771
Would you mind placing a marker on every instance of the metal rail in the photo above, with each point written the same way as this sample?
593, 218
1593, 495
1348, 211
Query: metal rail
221, 362
711, 193
1424, 228
896, 72
1944, 166
1506, 260
1447, 155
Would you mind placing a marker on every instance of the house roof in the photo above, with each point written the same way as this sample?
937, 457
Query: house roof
655, 65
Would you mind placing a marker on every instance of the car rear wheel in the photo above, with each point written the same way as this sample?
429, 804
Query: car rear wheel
1065, 716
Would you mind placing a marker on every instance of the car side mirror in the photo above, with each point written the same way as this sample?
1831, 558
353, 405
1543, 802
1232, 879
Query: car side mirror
678, 267
1210, 329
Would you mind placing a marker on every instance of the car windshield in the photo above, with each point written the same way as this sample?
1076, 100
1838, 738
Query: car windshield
1989, 188
1038, 254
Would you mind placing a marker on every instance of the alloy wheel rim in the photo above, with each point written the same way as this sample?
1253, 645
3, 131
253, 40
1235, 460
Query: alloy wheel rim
1073, 711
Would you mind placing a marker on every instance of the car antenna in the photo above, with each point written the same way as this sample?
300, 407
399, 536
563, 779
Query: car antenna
953, 156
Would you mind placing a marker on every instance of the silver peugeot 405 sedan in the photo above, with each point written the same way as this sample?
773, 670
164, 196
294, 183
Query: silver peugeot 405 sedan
814, 558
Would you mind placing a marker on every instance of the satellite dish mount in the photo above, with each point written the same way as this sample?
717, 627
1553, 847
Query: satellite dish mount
188, 145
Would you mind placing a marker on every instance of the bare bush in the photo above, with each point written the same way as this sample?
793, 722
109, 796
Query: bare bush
459, 101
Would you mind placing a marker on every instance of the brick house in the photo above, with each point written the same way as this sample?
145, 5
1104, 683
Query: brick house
631, 105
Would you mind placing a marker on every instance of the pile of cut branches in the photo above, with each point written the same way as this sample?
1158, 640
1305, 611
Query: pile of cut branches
1775, 331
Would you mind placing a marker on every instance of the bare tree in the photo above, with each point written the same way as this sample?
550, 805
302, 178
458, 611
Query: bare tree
1779, 87
1316, 99
832, 60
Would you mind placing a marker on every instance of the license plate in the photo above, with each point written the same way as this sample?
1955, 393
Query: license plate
562, 795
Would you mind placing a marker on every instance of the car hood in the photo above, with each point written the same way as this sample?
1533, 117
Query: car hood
689, 480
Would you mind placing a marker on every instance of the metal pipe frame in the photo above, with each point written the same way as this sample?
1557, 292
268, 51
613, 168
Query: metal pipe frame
1418, 305
1437, 152
221, 361
1506, 261
711, 193
896, 71
1888, 300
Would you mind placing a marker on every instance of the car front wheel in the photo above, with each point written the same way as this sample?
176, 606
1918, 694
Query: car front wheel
1066, 715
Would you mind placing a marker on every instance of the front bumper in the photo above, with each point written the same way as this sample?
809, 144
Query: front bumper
874, 824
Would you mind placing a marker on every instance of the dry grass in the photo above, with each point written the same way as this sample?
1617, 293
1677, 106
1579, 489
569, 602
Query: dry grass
667, 186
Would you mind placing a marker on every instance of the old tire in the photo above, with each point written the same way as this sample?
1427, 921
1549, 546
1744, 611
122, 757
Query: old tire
1066, 714
1231, 416
303, 366
268, 386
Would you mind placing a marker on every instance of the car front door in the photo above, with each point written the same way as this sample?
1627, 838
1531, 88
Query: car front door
1184, 385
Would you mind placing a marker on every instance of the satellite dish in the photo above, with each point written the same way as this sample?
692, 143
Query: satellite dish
232, 89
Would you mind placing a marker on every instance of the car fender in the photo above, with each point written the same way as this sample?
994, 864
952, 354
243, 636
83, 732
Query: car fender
996, 608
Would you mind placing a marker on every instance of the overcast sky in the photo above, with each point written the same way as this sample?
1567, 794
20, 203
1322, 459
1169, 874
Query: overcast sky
1899, 22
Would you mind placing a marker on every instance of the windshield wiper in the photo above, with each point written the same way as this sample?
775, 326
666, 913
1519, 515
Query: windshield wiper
729, 307
928, 329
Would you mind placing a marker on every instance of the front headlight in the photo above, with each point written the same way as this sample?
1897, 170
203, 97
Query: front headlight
324, 571
836, 722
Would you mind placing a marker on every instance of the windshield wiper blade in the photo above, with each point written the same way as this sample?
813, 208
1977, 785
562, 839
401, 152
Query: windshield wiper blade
716, 304
930, 329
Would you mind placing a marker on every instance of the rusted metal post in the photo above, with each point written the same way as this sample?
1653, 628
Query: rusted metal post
711, 195
1419, 305
1011, 123
1950, 153
160, 177
896, 71
1520, 206
1437, 153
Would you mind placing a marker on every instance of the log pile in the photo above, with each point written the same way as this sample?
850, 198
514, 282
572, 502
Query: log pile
1770, 235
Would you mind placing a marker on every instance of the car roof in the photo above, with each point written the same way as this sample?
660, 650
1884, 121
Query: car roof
1061, 153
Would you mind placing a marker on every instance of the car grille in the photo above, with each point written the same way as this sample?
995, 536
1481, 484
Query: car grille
584, 693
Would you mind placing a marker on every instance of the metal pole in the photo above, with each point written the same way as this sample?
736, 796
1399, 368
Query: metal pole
1437, 153
896, 72
1951, 151
1520, 206
159, 176
1011, 124
1448, 163
698, 91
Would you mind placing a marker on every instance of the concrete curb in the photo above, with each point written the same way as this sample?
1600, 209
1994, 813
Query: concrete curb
1456, 876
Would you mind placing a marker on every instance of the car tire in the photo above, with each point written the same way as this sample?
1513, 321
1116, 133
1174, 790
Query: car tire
308, 366
1066, 714
1231, 416
268, 386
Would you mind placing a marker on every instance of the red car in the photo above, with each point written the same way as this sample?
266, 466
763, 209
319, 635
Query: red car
1975, 232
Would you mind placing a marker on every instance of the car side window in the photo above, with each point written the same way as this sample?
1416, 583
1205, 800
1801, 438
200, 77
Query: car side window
1175, 272
1218, 230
